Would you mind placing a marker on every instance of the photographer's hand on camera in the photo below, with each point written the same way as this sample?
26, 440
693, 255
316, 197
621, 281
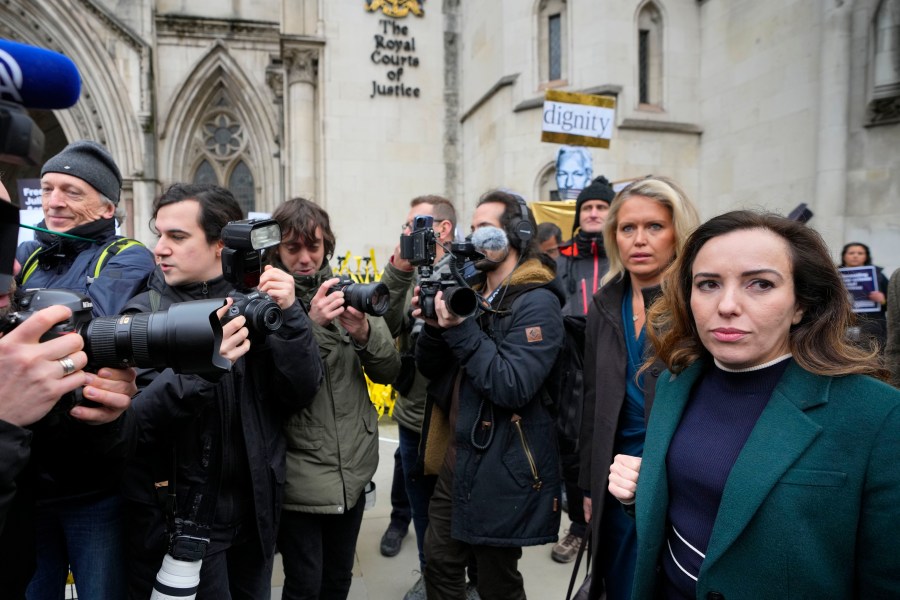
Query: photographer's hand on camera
111, 389
235, 336
356, 324
279, 285
36, 374
445, 319
324, 307
401, 263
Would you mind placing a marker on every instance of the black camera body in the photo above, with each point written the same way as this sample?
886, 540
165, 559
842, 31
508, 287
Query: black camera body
30, 301
262, 313
371, 298
420, 249
420, 246
185, 338
246, 244
453, 280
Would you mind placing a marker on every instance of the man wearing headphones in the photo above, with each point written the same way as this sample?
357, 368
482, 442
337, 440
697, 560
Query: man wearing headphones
488, 431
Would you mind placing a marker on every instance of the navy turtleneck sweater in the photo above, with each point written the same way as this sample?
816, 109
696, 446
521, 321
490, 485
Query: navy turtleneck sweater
720, 414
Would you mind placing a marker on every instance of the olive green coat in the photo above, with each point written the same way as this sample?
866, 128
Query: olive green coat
332, 446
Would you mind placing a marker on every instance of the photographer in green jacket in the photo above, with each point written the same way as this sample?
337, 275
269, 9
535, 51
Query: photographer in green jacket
333, 444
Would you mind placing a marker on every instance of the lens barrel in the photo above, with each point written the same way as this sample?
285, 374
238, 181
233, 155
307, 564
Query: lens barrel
371, 298
186, 337
461, 301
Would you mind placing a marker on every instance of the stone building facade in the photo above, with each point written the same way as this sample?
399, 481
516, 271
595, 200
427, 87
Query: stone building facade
364, 104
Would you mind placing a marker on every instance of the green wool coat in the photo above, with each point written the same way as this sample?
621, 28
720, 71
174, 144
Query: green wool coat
811, 508
332, 445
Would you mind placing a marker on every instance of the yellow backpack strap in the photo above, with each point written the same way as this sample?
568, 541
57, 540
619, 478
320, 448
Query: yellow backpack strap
31, 263
111, 250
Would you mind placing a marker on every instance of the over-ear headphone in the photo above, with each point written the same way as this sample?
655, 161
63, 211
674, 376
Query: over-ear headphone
520, 228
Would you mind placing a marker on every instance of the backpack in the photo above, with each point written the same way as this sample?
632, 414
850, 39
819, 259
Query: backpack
116, 246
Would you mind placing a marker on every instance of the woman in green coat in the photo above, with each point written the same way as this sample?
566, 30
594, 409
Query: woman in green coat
770, 463
332, 446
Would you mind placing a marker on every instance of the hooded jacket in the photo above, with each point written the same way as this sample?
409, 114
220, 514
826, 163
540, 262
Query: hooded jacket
228, 430
333, 441
506, 474
581, 265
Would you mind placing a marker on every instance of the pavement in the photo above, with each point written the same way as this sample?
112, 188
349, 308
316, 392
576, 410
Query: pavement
376, 577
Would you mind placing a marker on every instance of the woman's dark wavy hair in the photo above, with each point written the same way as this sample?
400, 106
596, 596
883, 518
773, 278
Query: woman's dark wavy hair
818, 342
299, 217
861, 245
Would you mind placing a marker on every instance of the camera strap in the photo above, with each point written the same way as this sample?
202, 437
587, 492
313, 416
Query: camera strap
190, 525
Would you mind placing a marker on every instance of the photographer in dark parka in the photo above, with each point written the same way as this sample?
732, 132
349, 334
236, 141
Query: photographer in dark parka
201, 439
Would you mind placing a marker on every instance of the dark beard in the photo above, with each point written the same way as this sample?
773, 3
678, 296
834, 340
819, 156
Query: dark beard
486, 265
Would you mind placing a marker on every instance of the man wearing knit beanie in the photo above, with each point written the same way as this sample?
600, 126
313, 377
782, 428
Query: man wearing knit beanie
76, 469
579, 268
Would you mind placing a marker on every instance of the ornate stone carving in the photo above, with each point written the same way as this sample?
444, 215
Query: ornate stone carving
275, 78
883, 111
396, 8
302, 65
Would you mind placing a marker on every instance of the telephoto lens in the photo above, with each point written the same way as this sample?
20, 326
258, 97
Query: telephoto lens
177, 579
371, 298
185, 338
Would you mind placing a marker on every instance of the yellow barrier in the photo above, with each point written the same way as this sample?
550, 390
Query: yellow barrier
366, 271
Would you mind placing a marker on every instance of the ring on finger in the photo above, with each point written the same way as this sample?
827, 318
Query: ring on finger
68, 365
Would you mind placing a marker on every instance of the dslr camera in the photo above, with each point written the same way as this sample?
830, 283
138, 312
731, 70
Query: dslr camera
246, 244
185, 338
371, 298
420, 249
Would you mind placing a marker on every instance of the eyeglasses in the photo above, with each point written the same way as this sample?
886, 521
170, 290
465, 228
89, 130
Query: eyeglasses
409, 224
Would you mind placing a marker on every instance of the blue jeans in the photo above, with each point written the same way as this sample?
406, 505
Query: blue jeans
418, 489
89, 537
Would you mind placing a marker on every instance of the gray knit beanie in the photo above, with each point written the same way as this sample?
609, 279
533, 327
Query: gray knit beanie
90, 162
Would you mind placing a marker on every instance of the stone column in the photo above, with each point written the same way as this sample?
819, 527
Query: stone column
302, 69
830, 201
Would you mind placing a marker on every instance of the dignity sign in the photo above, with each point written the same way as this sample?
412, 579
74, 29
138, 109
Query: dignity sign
578, 119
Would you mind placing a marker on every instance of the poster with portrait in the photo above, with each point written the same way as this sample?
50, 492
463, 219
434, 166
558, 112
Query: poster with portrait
860, 282
574, 171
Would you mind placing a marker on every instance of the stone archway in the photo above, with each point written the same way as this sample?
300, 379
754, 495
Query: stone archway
108, 58
218, 83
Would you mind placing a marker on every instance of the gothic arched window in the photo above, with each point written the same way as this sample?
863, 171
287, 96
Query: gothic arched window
241, 185
552, 36
650, 56
221, 145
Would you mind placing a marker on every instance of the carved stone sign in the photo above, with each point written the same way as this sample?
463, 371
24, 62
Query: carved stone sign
395, 49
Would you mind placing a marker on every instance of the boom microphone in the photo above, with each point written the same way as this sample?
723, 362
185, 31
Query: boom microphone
37, 78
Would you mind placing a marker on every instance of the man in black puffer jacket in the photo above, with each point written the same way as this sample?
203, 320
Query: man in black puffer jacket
579, 268
219, 440
488, 431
